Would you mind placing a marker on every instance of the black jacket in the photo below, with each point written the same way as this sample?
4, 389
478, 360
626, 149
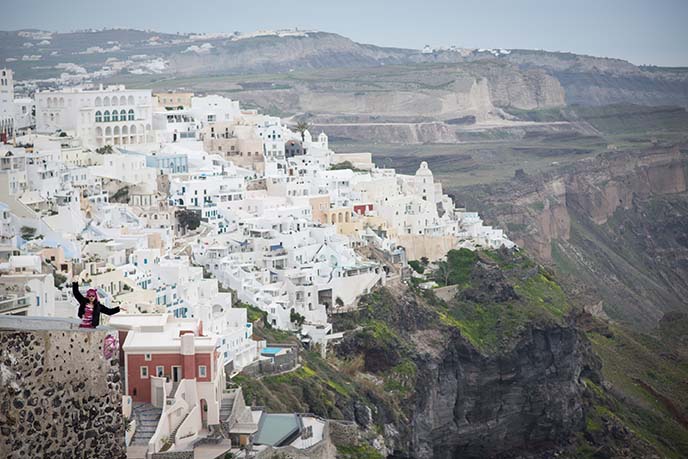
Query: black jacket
97, 307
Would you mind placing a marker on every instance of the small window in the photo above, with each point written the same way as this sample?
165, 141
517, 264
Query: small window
159, 370
148, 357
144, 372
202, 371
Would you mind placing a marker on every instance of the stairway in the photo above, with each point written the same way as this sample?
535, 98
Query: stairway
226, 407
173, 434
147, 417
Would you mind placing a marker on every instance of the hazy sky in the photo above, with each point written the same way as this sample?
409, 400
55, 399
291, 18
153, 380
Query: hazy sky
642, 31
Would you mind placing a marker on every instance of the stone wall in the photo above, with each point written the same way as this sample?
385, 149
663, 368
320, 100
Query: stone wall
59, 395
324, 449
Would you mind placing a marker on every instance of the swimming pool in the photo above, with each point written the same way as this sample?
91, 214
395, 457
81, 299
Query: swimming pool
271, 350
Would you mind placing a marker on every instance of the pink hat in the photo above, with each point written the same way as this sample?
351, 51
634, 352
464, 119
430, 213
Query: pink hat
92, 291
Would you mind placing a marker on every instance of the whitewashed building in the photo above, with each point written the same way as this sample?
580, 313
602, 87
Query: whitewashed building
106, 116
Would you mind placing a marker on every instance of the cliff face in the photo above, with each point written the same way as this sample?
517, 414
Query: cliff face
497, 369
60, 396
526, 399
613, 223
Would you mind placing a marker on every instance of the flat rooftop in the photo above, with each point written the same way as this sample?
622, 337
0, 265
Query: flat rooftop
277, 429
131, 321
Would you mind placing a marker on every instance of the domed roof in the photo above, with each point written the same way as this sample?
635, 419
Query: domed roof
424, 169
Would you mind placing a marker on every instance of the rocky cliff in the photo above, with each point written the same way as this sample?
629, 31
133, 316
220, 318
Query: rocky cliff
495, 371
612, 223
526, 399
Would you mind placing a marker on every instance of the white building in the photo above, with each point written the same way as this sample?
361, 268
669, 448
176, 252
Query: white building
25, 289
110, 116
211, 109
129, 169
6, 104
24, 109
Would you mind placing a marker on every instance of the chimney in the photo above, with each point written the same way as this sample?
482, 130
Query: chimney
188, 356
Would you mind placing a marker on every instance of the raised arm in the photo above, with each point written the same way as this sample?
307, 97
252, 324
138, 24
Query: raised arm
77, 294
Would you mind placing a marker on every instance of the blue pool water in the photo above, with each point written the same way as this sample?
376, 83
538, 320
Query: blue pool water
271, 350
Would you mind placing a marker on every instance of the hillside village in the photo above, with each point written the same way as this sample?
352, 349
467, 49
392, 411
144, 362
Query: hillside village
195, 216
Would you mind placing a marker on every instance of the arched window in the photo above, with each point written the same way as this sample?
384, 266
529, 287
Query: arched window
131, 100
131, 114
114, 101
115, 116
99, 117
99, 101
106, 101
122, 115
122, 100
106, 116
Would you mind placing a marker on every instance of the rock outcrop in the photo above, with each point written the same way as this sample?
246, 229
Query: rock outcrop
476, 406
471, 395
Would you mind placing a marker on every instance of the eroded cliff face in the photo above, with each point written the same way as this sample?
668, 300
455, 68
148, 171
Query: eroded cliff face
538, 210
615, 225
530, 398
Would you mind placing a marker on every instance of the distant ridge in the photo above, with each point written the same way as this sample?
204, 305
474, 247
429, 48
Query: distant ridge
116, 53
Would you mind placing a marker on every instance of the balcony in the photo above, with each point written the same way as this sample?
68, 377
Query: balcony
12, 304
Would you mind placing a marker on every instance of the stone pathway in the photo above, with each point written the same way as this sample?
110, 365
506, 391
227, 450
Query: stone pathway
147, 417
212, 451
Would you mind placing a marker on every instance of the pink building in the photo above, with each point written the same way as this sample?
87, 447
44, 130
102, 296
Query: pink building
171, 364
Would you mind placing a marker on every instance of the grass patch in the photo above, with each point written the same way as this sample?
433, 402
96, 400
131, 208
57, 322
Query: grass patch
360, 451
544, 293
628, 357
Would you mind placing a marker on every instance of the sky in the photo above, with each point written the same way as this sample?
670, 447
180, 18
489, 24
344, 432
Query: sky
641, 31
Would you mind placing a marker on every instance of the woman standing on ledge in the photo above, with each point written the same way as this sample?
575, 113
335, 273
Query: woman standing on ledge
89, 307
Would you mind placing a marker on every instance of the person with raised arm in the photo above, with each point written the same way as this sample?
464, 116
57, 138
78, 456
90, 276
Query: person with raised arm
89, 306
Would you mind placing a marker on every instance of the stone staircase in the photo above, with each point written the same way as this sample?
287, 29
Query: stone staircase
226, 407
147, 417
173, 434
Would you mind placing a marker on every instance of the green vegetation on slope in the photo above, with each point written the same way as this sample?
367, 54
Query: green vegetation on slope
648, 384
500, 294
361, 451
